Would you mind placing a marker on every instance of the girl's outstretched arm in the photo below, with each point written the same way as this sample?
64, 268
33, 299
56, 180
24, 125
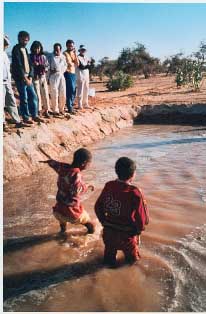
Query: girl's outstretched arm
56, 165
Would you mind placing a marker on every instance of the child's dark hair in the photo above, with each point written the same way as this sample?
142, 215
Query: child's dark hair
23, 34
36, 44
81, 156
56, 45
125, 168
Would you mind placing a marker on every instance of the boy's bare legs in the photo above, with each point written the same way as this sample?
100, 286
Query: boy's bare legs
85, 220
62, 222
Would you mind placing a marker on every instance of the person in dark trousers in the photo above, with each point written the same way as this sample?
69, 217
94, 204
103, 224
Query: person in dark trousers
22, 73
9, 100
122, 211
70, 75
68, 206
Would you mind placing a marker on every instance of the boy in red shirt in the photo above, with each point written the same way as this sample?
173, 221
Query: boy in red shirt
122, 211
68, 207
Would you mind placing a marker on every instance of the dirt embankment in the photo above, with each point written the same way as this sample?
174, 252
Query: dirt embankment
24, 149
155, 101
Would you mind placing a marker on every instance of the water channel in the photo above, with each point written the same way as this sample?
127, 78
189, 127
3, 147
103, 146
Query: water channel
47, 272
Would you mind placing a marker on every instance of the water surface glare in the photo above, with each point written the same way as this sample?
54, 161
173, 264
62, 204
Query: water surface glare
44, 272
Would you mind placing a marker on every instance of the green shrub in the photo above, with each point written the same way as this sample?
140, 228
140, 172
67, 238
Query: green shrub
179, 78
120, 81
197, 77
190, 74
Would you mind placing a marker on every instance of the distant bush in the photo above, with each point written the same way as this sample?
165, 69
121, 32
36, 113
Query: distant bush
120, 81
137, 61
133, 61
190, 73
92, 68
105, 67
189, 70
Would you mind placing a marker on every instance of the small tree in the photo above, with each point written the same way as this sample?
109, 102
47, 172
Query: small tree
179, 78
197, 75
202, 51
105, 67
125, 61
120, 81
190, 73
173, 63
137, 61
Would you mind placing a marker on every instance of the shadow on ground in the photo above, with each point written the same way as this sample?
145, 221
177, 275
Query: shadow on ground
16, 244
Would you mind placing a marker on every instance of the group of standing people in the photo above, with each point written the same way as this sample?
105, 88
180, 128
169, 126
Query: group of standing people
46, 84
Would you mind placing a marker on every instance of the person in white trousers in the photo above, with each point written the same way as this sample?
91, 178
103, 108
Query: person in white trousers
41, 66
82, 72
58, 66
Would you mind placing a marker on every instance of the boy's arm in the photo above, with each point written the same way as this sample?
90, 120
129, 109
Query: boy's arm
82, 67
79, 186
31, 71
76, 59
141, 213
99, 206
66, 64
145, 208
16, 60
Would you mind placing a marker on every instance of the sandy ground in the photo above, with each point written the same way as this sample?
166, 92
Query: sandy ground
155, 90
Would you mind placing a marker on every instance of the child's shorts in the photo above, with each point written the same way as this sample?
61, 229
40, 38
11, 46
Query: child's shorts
82, 219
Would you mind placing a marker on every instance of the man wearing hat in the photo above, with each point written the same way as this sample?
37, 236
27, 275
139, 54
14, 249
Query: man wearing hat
9, 99
83, 78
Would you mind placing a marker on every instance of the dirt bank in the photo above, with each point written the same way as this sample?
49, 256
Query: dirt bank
173, 113
23, 149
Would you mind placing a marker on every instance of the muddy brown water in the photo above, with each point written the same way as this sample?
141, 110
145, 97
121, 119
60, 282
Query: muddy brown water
46, 272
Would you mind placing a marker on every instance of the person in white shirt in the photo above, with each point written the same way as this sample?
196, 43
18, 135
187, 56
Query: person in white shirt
58, 66
82, 72
9, 101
